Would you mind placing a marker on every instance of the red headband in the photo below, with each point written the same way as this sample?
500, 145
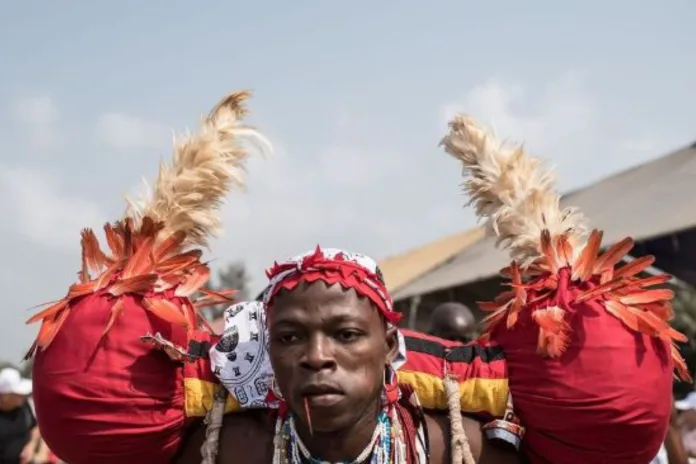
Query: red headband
351, 270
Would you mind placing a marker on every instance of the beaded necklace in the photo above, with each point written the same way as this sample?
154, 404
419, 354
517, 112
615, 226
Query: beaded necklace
385, 447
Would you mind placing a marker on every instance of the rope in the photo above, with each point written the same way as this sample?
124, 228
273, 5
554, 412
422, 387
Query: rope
213, 420
461, 450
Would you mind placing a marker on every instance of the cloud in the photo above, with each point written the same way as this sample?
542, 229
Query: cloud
126, 132
563, 122
39, 115
42, 211
545, 121
39, 110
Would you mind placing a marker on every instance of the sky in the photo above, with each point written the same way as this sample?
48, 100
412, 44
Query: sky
355, 96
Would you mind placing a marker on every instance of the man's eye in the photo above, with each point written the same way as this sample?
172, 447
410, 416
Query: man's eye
288, 338
348, 335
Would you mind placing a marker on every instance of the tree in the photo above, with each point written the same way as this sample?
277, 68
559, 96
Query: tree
236, 277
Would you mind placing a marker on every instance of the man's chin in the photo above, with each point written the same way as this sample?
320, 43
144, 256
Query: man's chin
324, 423
325, 419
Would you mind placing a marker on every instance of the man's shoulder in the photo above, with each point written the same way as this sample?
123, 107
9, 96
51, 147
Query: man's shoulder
485, 452
250, 423
244, 437
247, 437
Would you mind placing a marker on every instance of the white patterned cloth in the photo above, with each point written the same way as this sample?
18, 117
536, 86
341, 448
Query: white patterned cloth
240, 358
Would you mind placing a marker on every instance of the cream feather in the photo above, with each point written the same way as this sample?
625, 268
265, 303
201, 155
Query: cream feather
206, 165
513, 190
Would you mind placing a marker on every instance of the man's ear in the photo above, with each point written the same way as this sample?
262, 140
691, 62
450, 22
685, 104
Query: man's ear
392, 342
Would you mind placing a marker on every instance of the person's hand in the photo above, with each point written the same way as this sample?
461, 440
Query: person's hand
674, 417
27, 454
687, 419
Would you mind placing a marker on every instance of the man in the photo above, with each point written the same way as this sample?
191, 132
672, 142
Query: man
20, 441
684, 423
453, 321
335, 350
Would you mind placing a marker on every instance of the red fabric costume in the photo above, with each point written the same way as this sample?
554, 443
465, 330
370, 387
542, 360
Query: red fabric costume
101, 394
590, 363
589, 347
116, 374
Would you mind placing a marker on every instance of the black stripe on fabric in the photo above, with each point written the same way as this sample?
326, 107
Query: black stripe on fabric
198, 349
465, 354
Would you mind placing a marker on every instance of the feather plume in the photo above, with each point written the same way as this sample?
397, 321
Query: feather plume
514, 191
189, 192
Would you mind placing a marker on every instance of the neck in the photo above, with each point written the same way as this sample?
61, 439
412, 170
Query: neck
341, 445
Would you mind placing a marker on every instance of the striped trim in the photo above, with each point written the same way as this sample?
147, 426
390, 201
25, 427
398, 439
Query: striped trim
478, 395
199, 394
459, 354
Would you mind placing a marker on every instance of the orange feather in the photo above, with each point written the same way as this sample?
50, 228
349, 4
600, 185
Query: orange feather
105, 278
140, 262
622, 313
178, 262
165, 310
553, 331
680, 365
169, 246
635, 267
647, 296
613, 256
49, 312
198, 277
650, 281
564, 250
53, 326
599, 290
115, 242
584, 265
80, 289
137, 284
116, 310
93, 258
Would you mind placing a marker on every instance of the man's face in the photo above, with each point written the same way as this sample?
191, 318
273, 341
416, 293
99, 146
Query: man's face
328, 347
10, 401
456, 329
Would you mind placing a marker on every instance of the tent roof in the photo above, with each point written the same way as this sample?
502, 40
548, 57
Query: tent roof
403, 268
653, 199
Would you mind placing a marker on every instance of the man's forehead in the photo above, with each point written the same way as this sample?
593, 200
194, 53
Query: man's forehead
318, 300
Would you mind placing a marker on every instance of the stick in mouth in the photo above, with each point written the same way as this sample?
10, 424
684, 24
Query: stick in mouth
308, 415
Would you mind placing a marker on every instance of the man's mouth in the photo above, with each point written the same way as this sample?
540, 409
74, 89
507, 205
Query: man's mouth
322, 396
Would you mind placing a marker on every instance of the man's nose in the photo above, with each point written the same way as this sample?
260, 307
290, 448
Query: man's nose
318, 355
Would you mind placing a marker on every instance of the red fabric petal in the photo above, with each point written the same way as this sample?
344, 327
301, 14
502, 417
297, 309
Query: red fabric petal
316, 267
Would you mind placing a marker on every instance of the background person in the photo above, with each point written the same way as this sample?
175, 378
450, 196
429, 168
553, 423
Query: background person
453, 321
20, 440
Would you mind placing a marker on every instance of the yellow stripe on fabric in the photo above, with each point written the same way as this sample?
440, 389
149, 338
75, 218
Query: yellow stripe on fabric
478, 395
199, 398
